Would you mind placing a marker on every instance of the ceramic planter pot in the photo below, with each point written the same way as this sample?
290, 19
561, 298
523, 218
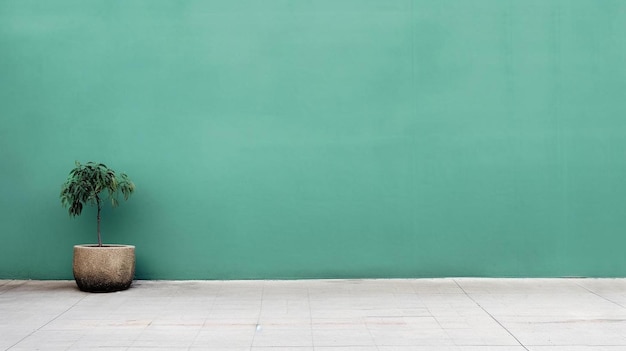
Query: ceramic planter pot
104, 269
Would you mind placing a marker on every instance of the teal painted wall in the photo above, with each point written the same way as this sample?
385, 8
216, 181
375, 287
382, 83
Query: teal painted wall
302, 139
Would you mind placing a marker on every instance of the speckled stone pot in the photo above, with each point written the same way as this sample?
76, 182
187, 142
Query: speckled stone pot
104, 269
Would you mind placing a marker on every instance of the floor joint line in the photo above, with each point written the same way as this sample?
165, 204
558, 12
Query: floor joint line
490, 315
600, 296
48, 322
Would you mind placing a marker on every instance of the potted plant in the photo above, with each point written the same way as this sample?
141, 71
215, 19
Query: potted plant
99, 268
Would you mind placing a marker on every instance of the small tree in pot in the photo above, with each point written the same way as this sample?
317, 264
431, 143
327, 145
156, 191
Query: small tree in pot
99, 268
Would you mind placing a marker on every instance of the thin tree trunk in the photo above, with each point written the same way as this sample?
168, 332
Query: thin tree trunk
99, 207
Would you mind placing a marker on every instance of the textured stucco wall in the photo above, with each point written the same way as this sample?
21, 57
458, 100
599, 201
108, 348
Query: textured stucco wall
299, 139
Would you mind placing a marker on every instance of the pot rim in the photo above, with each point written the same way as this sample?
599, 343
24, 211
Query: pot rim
104, 246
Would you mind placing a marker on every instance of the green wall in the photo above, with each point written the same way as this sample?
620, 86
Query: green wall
335, 138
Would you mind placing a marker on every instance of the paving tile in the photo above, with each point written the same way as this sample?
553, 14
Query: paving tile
154, 347
484, 337
111, 341
100, 348
436, 286
466, 314
285, 308
419, 348
179, 320
480, 321
346, 348
286, 348
612, 290
338, 323
549, 331
10, 338
452, 348
346, 337
576, 348
402, 323
241, 337
40, 341
403, 337
600, 286
183, 340
516, 286
284, 322
557, 304
283, 337
492, 348
218, 323
216, 348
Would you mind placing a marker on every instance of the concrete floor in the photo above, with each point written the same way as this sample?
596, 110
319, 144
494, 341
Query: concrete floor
324, 315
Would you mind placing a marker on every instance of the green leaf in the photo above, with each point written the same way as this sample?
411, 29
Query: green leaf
86, 181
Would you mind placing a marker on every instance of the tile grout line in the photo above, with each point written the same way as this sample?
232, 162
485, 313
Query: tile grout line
600, 296
369, 331
140, 334
205, 319
258, 326
48, 322
430, 313
308, 296
490, 315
